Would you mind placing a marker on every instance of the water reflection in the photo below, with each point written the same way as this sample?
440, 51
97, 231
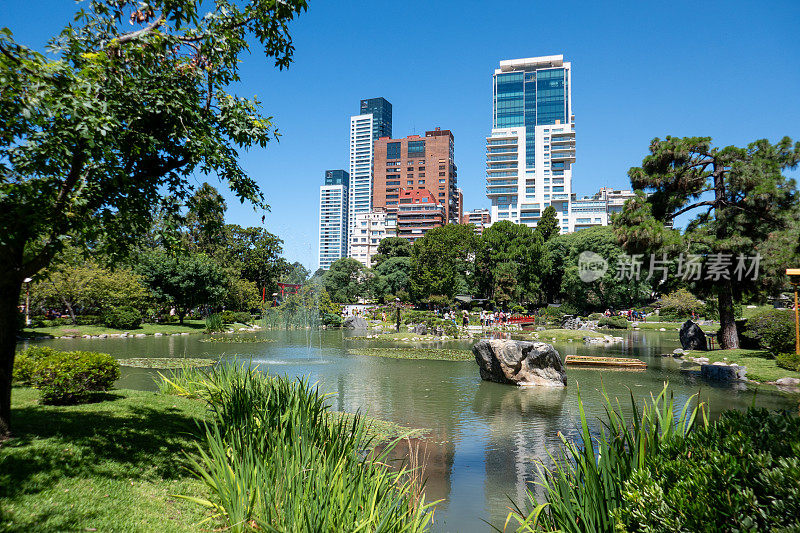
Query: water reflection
484, 438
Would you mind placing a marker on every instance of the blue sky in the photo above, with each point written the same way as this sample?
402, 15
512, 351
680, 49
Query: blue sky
726, 69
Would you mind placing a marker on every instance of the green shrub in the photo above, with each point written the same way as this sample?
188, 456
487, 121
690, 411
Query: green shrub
73, 377
332, 320
772, 330
596, 316
214, 323
123, 317
89, 320
739, 474
25, 363
613, 322
789, 361
55, 322
517, 310
231, 317
679, 305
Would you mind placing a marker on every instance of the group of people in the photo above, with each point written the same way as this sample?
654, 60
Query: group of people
489, 319
630, 314
453, 316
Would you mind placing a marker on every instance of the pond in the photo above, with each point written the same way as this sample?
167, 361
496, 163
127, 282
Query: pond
484, 438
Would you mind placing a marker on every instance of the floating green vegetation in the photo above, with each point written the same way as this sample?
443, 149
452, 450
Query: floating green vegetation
235, 339
439, 354
165, 362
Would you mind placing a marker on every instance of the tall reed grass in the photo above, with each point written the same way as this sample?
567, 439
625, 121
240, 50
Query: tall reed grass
584, 486
274, 460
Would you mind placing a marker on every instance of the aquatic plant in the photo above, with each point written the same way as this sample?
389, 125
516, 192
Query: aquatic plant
274, 460
584, 487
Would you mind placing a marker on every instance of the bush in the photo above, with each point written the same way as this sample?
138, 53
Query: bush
230, 317
517, 310
73, 377
332, 320
88, 320
596, 316
214, 323
789, 361
679, 305
123, 317
772, 330
613, 322
25, 363
739, 474
55, 322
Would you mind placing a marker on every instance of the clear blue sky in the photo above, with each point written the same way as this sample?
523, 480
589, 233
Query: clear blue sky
726, 69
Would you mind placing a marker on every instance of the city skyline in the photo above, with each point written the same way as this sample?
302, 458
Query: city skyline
641, 71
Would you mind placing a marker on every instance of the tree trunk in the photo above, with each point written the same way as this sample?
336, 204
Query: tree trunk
181, 314
10, 290
728, 336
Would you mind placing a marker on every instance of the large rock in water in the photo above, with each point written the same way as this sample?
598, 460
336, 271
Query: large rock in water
692, 337
519, 363
355, 322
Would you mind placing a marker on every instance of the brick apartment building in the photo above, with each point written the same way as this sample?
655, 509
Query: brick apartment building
418, 211
416, 163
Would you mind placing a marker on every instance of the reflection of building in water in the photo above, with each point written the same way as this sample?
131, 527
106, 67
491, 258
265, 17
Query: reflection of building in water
524, 425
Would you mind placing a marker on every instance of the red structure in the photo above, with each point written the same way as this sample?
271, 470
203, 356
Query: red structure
288, 288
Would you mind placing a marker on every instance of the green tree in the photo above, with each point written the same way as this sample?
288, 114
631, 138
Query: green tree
442, 261
183, 281
391, 247
298, 273
346, 280
205, 220
257, 255
737, 197
395, 273
92, 137
607, 290
505, 243
548, 225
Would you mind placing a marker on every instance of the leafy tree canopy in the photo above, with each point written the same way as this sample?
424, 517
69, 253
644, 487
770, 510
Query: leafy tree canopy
391, 247
548, 225
442, 262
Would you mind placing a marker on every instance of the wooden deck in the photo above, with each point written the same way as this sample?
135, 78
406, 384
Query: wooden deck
612, 362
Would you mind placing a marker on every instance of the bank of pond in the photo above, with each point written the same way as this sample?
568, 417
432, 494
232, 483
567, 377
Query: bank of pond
265, 437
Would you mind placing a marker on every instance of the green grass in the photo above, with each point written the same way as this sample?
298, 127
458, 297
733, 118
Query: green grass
108, 466
403, 336
563, 335
673, 326
416, 353
750, 313
189, 326
759, 367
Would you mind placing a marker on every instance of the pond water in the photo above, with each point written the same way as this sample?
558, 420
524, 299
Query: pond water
484, 438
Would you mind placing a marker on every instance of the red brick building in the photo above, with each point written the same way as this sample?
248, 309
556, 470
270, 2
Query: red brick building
418, 211
416, 163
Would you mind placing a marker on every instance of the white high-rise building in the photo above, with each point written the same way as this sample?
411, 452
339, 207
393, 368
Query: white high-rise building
369, 230
375, 121
530, 152
334, 198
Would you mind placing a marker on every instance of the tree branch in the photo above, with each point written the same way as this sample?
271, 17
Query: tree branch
712, 203
223, 28
132, 36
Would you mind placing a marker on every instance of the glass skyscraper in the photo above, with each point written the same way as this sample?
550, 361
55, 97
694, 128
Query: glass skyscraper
375, 121
530, 152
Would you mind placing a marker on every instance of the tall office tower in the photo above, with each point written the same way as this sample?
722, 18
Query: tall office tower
375, 121
416, 162
530, 152
333, 220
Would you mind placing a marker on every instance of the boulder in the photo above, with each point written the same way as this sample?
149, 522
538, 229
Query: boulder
692, 337
570, 322
355, 322
678, 352
420, 329
788, 382
719, 371
519, 363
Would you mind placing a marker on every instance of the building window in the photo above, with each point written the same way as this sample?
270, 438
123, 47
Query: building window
421, 174
421, 182
393, 150
416, 148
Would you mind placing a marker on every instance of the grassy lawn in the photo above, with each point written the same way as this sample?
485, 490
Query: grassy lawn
673, 326
403, 336
108, 466
759, 368
749, 313
564, 335
189, 326
416, 353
